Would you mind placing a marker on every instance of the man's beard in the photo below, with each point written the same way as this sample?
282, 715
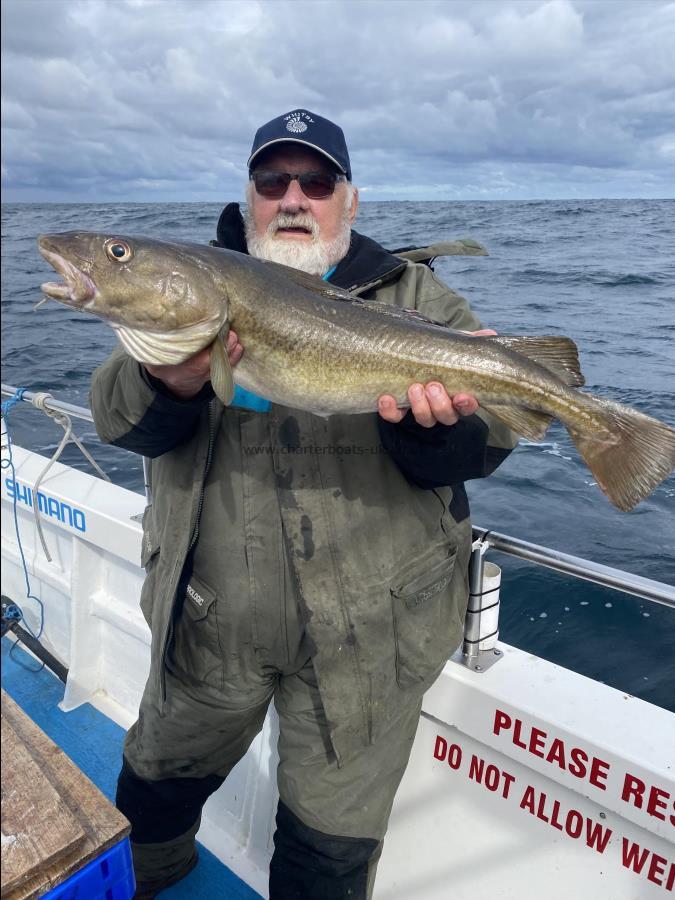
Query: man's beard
316, 256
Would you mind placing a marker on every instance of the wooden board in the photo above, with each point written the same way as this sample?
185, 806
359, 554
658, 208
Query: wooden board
37, 827
99, 823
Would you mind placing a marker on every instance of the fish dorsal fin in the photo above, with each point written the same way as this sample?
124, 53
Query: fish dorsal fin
402, 313
557, 354
310, 282
222, 381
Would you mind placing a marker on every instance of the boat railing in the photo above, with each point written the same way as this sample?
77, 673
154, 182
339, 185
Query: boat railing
479, 651
49, 402
481, 628
645, 588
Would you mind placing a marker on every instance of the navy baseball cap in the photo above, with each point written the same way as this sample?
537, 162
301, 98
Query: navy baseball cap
304, 127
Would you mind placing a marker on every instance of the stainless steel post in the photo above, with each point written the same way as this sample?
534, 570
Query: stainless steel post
472, 621
472, 654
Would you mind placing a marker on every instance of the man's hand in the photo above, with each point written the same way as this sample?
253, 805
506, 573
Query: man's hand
431, 403
188, 378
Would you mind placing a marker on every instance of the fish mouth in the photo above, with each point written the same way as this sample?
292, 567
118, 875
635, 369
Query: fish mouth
77, 289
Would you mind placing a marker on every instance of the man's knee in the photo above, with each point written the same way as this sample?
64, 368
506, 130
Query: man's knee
308, 864
162, 810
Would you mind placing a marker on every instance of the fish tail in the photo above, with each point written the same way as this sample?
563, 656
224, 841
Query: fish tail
630, 456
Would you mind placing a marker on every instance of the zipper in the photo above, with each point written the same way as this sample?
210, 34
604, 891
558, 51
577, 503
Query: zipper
361, 287
207, 466
193, 540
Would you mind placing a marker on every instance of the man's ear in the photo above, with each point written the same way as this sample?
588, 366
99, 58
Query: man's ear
354, 206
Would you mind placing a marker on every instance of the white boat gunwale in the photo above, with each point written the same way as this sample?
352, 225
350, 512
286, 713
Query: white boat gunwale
94, 625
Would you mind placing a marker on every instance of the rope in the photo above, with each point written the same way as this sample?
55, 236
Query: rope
39, 401
8, 463
7, 405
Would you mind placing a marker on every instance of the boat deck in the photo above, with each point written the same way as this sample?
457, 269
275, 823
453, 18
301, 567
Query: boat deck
94, 743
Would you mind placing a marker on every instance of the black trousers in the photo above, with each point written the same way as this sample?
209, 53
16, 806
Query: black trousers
306, 864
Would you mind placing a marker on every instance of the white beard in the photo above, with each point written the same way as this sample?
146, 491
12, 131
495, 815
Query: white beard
315, 257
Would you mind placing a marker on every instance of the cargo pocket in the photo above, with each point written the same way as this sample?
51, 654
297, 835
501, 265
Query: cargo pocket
427, 628
149, 560
196, 649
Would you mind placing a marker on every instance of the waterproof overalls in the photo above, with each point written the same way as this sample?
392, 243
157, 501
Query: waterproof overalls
318, 563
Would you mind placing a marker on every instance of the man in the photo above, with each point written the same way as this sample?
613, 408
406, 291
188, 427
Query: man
319, 563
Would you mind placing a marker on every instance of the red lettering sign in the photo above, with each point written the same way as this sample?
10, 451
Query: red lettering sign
635, 857
453, 753
577, 826
657, 799
575, 760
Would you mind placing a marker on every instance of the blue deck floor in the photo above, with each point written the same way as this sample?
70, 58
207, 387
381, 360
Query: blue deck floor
94, 743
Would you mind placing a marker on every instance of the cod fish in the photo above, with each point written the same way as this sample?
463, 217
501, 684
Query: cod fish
312, 346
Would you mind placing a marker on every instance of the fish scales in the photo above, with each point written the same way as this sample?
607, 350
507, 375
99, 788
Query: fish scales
312, 346
355, 356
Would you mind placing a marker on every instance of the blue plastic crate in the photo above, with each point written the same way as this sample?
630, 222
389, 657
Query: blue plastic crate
108, 877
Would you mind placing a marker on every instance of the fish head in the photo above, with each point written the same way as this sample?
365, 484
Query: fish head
137, 282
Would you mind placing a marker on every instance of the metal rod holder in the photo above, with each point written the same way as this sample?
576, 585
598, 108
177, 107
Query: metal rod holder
474, 654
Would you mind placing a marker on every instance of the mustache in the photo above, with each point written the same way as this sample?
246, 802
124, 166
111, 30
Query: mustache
294, 220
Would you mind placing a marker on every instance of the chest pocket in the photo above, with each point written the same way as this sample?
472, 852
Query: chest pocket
427, 622
197, 648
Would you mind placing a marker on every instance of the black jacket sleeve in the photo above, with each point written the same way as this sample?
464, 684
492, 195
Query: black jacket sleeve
133, 410
443, 455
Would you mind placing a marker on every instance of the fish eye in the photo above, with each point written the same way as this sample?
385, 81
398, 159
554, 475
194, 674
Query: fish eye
118, 251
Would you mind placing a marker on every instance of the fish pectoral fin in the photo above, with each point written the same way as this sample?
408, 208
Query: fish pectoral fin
530, 423
162, 348
557, 354
222, 381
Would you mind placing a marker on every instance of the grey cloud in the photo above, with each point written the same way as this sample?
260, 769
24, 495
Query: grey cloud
145, 99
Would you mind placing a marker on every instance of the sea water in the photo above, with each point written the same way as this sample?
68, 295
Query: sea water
601, 272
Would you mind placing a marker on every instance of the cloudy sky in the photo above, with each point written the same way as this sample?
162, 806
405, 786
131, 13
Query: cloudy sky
150, 100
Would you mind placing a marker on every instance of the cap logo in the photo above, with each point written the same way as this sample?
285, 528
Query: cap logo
296, 123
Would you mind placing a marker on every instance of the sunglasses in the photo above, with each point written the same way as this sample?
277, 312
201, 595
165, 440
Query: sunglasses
315, 185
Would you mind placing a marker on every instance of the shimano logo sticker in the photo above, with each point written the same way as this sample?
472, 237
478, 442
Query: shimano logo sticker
48, 506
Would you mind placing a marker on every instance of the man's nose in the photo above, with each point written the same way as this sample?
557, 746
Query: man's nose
293, 200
